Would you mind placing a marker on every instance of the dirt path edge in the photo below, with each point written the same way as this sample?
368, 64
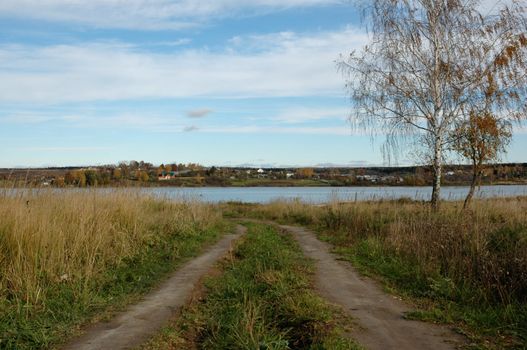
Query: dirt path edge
380, 316
135, 325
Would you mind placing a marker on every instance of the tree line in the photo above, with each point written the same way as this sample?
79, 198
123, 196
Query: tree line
137, 171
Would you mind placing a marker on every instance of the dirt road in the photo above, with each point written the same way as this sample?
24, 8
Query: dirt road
133, 326
379, 315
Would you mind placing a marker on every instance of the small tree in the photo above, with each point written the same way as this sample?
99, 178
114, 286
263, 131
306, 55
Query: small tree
125, 170
481, 139
117, 174
80, 178
305, 173
92, 177
161, 169
69, 178
428, 62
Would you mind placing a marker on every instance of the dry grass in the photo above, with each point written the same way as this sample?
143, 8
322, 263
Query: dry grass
72, 242
485, 247
468, 268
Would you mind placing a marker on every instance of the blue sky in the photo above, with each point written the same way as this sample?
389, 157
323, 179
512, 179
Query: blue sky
219, 82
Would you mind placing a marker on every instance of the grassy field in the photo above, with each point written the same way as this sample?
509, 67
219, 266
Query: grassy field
464, 268
68, 258
71, 257
260, 300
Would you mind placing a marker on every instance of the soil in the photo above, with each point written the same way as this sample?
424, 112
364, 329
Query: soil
132, 327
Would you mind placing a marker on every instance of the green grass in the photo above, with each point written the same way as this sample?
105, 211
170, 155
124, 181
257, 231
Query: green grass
70, 304
262, 300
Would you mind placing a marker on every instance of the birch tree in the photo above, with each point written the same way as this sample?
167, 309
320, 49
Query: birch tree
429, 62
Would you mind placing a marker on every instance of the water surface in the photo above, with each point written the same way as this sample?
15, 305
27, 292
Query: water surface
317, 195
314, 195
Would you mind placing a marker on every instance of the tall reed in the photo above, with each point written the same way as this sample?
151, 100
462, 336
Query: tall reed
50, 238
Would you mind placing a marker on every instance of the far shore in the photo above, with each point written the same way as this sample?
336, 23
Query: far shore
193, 183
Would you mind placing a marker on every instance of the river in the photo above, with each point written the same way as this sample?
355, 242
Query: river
317, 195
314, 195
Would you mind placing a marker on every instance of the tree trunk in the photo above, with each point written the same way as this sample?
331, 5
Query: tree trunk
475, 179
437, 168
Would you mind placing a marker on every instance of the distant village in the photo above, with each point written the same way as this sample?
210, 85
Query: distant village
140, 173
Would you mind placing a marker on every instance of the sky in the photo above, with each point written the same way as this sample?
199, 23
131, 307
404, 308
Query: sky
216, 82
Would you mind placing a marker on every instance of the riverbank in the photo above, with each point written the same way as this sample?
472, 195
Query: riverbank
193, 182
133, 173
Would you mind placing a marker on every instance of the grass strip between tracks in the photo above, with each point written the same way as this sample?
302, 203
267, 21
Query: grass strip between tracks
262, 299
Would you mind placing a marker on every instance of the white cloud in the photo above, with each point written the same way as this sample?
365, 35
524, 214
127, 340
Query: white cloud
302, 115
131, 120
65, 149
287, 65
166, 124
306, 130
36, 118
144, 14
173, 43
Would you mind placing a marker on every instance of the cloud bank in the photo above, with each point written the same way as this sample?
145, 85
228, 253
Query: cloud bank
286, 64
